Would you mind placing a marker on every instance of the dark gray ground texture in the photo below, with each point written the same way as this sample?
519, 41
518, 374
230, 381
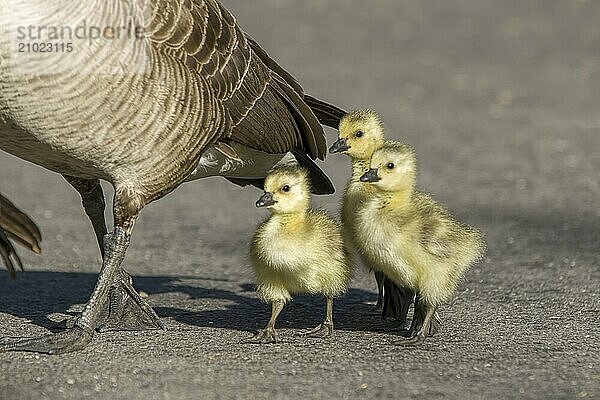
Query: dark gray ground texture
500, 99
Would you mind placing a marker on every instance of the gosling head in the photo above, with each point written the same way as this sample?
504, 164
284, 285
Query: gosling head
393, 168
287, 190
360, 134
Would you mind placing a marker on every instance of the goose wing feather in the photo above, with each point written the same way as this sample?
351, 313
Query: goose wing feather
259, 104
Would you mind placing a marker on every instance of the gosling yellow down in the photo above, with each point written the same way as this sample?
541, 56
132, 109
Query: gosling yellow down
296, 250
361, 132
411, 238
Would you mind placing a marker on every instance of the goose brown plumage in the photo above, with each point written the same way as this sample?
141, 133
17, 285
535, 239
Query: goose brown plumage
139, 111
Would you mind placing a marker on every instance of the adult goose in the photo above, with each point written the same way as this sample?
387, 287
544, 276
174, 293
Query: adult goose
136, 93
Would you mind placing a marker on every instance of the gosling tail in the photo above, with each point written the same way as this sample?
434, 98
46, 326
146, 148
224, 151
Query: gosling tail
16, 225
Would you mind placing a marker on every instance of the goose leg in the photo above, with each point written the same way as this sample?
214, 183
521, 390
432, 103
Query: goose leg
268, 334
80, 335
92, 199
115, 246
325, 328
125, 309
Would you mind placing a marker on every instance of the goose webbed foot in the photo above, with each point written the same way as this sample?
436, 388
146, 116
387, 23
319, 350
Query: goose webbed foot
126, 310
323, 330
264, 336
69, 340
396, 302
8, 255
80, 335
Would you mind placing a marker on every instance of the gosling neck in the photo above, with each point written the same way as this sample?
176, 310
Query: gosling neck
399, 198
359, 167
291, 221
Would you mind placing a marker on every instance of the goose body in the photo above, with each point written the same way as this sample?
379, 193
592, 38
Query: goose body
139, 109
140, 112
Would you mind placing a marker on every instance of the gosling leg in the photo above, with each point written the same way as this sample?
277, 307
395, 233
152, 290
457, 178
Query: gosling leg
325, 328
268, 334
426, 326
397, 301
380, 279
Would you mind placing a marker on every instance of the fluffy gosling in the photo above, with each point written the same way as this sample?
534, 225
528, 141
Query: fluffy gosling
296, 250
411, 238
361, 132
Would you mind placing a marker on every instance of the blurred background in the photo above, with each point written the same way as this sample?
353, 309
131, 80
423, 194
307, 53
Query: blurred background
500, 100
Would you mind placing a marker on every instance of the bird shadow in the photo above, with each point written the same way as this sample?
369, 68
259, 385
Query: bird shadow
39, 296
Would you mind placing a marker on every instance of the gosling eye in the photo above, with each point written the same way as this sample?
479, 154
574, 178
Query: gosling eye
390, 165
359, 134
286, 188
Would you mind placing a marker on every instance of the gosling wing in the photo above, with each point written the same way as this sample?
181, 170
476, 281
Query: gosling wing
437, 231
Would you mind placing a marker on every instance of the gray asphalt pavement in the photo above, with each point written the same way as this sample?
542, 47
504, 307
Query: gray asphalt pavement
500, 99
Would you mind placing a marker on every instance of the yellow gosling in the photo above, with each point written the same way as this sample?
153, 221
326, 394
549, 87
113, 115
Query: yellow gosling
411, 238
296, 250
361, 132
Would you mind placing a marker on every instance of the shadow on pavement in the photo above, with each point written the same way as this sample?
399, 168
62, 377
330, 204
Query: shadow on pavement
37, 295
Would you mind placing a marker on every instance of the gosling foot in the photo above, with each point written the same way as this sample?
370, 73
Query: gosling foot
426, 322
264, 336
321, 331
69, 340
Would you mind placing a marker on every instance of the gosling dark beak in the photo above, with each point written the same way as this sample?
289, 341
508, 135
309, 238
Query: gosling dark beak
339, 146
266, 200
370, 176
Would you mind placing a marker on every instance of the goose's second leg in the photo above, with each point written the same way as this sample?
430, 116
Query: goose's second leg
125, 309
115, 246
8, 254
